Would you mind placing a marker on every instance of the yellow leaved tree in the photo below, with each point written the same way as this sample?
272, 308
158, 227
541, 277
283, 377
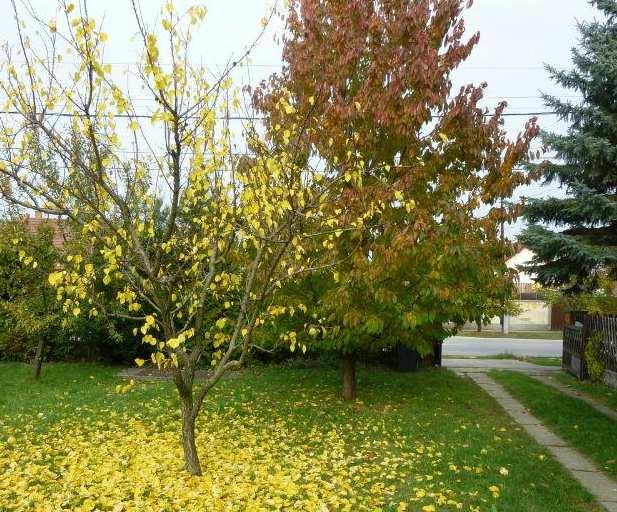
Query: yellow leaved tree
193, 235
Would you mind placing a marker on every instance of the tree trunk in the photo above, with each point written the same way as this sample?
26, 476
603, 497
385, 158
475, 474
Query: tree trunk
349, 377
479, 325
38, 359
191, 459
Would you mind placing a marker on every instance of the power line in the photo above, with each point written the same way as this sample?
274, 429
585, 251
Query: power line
506, 68
536, 97
271, 65
130, 116
255, 118
497, 97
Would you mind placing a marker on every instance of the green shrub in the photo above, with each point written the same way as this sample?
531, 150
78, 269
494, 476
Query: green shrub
29, 311
593, 357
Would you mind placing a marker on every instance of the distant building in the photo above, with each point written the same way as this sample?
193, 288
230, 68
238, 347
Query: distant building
535, 313
522, 257
32, 224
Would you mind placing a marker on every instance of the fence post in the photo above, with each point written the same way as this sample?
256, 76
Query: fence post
563, 347
585, 336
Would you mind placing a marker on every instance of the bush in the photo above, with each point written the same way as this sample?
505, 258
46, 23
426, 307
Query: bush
593, 357
29, 311
89, 341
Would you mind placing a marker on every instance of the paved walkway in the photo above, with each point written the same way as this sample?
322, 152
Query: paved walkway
603, 488
567, 390
469, 346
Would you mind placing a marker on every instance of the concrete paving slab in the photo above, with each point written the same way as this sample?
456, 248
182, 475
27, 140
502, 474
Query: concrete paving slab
510, 404
497, 393
543, 435
523, 417
603, 488
610, 506
572, 459
491, 388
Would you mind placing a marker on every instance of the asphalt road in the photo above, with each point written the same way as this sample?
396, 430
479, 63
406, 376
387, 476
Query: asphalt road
468, 346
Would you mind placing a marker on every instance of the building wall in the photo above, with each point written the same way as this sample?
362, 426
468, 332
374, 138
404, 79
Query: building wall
534, 315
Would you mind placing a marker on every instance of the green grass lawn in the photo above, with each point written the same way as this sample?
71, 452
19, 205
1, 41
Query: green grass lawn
572, 419
600, 392
271, 439
543, 361
529, 335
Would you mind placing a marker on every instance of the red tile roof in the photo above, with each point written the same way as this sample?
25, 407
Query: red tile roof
60, 232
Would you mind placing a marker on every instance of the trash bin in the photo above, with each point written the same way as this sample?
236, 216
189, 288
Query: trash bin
408, 359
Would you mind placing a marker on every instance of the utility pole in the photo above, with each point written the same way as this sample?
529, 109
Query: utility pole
505, 318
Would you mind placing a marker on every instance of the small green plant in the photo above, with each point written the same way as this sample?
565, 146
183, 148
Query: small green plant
593, 356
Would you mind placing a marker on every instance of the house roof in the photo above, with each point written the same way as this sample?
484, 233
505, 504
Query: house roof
32, 224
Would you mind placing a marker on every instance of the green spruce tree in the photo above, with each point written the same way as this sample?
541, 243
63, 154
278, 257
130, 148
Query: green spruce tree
575, 238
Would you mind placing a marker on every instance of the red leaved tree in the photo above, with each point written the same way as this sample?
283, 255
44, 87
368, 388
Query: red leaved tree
376, 75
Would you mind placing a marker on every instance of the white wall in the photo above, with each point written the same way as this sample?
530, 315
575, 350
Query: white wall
534, 315
522, 258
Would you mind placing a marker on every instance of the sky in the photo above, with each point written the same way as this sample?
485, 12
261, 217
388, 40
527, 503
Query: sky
517, 37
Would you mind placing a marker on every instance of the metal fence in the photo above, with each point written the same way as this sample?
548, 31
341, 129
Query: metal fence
576, 337
607, 325
573, 358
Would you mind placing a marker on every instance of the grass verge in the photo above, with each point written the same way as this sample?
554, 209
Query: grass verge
542, 361
271, 439
528, 335
600, 392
